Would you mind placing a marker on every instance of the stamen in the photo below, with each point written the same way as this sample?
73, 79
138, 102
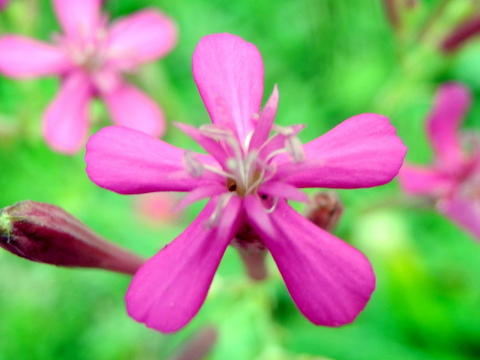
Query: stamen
250, 168
273, 207
214, 218
218, 171
192, 164
215, 132
249, 138
275, 153
294, 147
284, 130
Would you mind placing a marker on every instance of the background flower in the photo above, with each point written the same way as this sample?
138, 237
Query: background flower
90, 58
453, 180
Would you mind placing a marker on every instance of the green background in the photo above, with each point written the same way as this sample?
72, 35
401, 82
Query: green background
331, 59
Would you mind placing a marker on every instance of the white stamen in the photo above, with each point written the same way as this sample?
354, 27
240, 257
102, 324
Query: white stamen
275, 153
248, 139
294, 147
215, 132
284, 130
214, 218
274, 205
219, 172
192, 164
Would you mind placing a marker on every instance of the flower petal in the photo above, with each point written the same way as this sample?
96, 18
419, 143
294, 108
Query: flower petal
131, 108
362, 151
451, 104
265, 121
128, 161
65, 122
211, 146
329, 280
417, 180
287, 191
143, 36
23, 57
79, 19
167, 292
228, 72
200, 193
464, 212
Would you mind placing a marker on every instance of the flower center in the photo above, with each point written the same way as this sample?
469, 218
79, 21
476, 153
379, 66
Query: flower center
245, 169
89, 54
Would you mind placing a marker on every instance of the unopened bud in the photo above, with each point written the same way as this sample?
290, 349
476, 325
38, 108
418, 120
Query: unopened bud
325, 210
461, 34
46, 233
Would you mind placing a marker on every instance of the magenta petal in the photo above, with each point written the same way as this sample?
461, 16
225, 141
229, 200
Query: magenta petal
265, 121
200, 193
464, 212
168, 291
79, 19
274, 188
229, 75
362, 151
65, 122
23, 57
424, 181
130, 162
213, 147
329, 280
451, 104
256, 210
131, 108
142, 36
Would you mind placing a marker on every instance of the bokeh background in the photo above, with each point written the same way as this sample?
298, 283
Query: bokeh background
331, 59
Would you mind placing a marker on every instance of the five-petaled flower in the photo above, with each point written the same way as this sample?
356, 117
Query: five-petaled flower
90, 57
252, 169
453, 180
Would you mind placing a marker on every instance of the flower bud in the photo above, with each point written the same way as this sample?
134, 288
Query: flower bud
461, 34
325, 210
46, 233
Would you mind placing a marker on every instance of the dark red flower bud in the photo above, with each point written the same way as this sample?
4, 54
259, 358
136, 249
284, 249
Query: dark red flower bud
325, 210
46, 233
461, 34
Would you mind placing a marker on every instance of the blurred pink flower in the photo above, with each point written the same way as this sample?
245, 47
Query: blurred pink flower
157, 209
248, 175
3, 4
453, 180
90, 57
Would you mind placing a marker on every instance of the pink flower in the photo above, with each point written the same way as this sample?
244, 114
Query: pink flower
248, 175
3, 4
90, 57
453, 181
